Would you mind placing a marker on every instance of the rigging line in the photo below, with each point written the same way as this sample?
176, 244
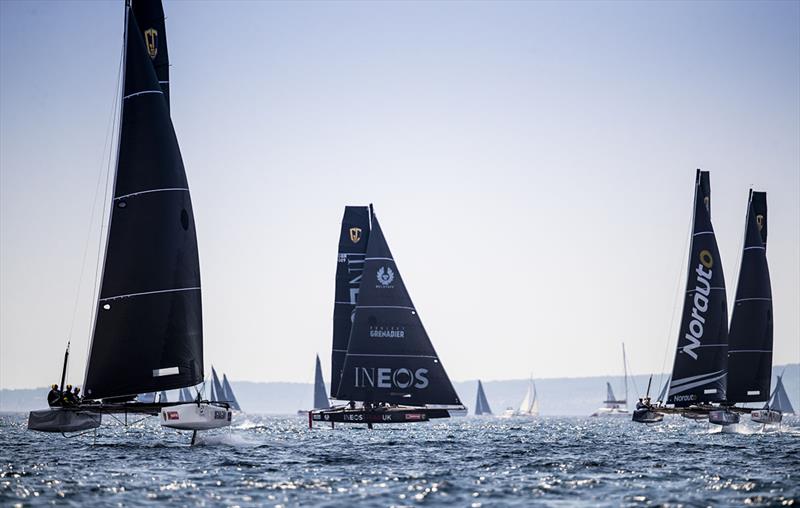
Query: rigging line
107, 147
683, 269
732, 304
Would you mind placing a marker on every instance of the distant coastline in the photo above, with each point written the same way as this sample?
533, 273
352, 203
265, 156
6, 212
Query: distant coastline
574, 396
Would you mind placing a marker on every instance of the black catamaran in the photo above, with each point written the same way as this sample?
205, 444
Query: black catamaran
147, 328
382, 356
712, 364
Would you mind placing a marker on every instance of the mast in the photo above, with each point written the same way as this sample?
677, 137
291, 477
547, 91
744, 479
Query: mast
390, 357
625, 373
750, 349
701, 358
147, 331
64, 370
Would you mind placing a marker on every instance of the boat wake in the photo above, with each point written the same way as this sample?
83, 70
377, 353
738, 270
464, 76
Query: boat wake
233, 440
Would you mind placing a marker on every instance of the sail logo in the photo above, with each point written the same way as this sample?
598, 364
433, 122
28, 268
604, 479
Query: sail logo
760, 221
383, 377
151, 41
701, 291
385, 277
387, 332
355, 235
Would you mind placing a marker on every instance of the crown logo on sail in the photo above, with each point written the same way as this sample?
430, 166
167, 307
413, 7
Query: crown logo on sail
151, 41
760, 221
385, 276
355, 235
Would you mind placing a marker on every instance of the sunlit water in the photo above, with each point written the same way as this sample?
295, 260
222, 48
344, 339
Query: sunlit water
461, 462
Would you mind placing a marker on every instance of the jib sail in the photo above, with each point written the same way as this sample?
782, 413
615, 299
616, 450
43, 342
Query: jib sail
389, 356
481, 402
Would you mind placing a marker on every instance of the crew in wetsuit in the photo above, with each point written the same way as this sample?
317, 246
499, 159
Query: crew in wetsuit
77, 394
54, 396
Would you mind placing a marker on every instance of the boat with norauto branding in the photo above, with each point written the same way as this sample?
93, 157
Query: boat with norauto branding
147, 331
717, 368
383, 361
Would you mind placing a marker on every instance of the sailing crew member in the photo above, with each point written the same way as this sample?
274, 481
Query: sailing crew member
77, 394
640, 404
68, 397
54, 396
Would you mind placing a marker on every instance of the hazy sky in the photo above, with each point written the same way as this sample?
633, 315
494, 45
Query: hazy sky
532, 165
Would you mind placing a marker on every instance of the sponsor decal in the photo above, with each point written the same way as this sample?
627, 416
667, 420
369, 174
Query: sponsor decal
353, 418
387, 332
151, 41
220, 415
707, 203
384, 377
173, 415
684, 398
415, 416
355, 235
700, 304
385, 277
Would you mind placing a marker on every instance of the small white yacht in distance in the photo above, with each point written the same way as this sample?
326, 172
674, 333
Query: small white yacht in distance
612, 406
529, 407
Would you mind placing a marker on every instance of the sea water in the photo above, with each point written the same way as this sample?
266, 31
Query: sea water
473, 461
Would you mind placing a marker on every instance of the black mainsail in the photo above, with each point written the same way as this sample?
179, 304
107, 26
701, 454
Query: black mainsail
750, 337
699, 371
149, 16
350, 265
148, 333
389, 357
481, 402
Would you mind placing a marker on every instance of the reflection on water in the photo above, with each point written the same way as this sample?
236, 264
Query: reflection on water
463, 461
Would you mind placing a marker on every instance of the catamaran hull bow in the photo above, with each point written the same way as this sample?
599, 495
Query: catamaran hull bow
195, 416
63, 420
766, 416
379, 415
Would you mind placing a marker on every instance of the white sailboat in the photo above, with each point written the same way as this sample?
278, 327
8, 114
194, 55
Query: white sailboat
613, 406
529, 407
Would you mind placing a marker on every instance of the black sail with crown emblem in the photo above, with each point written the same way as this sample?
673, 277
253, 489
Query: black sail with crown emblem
149, 16
148, 333
349, 267
699, 371
389, 356
750, 337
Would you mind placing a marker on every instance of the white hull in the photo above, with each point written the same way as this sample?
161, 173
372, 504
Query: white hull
194, 416
723, 417
604, 411
766, 416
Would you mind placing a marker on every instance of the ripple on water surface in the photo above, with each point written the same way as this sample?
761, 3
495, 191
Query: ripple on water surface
264, 460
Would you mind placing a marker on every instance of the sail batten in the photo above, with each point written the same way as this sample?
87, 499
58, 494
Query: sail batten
143, 325
699, 369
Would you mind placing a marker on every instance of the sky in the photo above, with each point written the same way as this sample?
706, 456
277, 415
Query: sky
532, 165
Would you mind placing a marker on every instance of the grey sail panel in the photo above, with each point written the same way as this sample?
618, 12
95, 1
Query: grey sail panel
481, 402
148, 333
186, 395
150, 18
353, 239
229, 395
390, 357
780, 399
610, 393
162, 396
750, 337
216, 386
699, 370
320, 393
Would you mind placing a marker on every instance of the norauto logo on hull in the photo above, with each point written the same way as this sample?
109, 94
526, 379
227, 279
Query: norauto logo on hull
701, 291
384, 377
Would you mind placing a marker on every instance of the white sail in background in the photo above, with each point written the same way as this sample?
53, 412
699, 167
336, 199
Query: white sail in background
530, 404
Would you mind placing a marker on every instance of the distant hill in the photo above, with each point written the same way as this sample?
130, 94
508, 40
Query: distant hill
557, 396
